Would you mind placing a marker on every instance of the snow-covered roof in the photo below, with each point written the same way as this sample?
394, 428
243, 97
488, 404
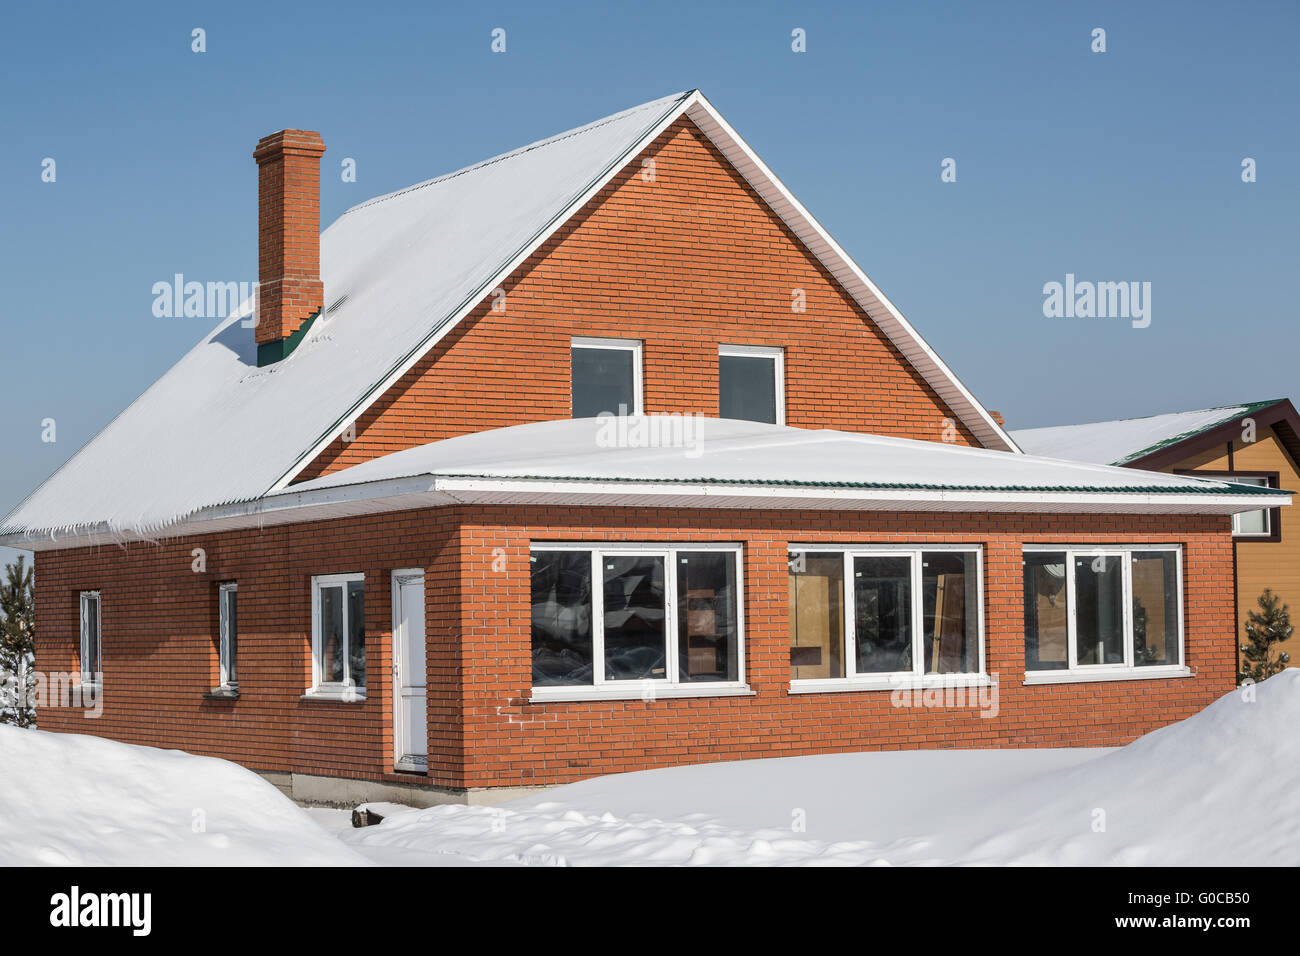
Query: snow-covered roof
719, 463
712, 450
680, 461
1128, 439
399, 271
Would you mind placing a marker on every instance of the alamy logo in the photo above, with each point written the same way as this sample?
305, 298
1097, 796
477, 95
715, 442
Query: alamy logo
74, 908
68, 689
1101, 300
665, 430
204, 300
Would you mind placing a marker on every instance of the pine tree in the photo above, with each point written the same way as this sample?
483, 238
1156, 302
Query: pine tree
17, 644
1269, 625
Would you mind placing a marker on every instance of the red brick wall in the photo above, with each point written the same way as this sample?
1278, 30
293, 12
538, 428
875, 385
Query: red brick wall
159, 627
512, 742
159, 642
684, 263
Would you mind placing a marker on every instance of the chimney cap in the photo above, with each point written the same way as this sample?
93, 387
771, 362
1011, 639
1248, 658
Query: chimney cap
289, 141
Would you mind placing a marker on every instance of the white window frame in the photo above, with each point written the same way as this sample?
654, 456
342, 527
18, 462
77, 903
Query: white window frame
226, 640
1128, 670
1255, 481
775, 353
89, 677
651, 688
333, 690
627, 345
916, 677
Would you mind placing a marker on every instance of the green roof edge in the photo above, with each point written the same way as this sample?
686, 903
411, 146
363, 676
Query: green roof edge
1255, 490
1247, 409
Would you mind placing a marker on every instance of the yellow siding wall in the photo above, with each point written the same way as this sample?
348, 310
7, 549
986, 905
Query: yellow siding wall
1263, 564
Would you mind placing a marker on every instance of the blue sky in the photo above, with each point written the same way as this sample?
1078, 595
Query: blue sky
1115, 166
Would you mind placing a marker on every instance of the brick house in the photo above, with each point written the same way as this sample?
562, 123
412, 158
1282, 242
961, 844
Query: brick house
385, 537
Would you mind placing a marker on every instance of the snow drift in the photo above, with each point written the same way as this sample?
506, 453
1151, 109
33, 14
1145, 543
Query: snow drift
67, 799
1220, 788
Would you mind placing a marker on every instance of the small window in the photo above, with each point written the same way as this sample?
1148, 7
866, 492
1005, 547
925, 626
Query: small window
751, 384
911, 614
339, 635
646, 616
90, 637
606, 377
227, 635
1094, 610
1251, 524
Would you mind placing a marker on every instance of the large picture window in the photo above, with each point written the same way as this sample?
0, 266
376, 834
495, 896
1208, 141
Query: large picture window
880, 617
1094, 611
339, 635
641, 618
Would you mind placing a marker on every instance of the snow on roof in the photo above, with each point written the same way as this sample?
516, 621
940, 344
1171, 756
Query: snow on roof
711, 463
399, 271
1118, 442
711, 450
216, 428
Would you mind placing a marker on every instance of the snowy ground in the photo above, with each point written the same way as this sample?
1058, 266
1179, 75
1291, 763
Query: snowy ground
1220, 788
73, 800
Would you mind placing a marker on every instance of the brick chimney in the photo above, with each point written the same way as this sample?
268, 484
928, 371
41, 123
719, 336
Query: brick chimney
288, 238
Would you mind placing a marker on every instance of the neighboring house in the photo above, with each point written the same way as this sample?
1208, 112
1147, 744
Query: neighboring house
385, 543
1257, 444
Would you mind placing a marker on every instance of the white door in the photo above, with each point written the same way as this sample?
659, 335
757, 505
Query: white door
410, 720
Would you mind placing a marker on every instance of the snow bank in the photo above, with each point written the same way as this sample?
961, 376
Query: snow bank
1220, 788
67, 799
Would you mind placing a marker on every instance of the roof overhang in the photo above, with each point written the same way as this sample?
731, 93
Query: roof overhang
428, 491
1281, 416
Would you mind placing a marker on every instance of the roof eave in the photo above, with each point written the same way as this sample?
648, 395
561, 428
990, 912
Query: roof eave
1281, 412
427, 491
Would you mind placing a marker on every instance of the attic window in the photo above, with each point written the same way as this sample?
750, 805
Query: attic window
606, 377
751, 383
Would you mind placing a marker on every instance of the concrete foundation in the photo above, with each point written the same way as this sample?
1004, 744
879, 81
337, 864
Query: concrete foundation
314, 791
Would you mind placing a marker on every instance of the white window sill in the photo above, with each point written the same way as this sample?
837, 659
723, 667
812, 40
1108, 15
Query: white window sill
1102, 674
840, 685
637, 690
337, 694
